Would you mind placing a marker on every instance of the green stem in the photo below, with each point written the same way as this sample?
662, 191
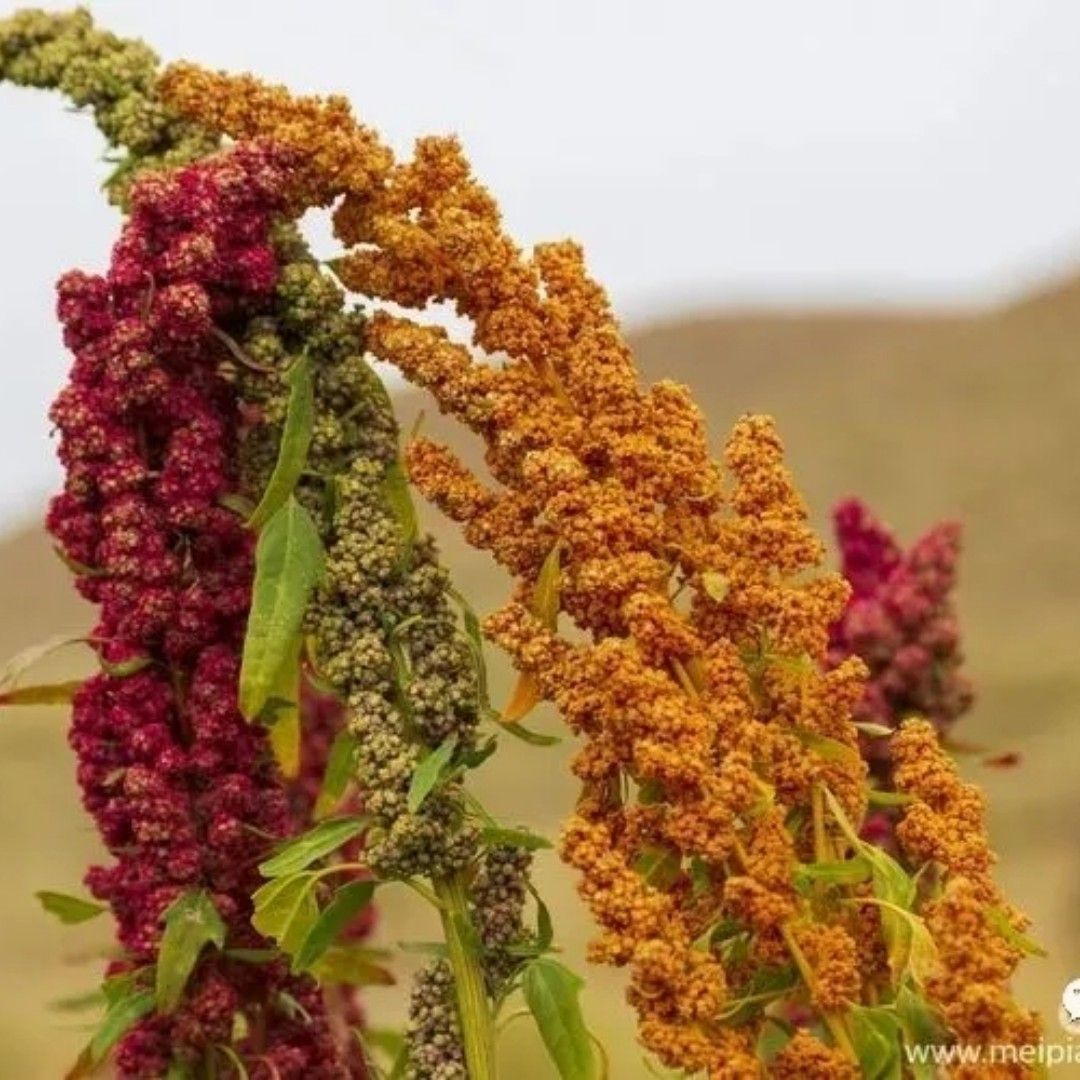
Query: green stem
474, 1013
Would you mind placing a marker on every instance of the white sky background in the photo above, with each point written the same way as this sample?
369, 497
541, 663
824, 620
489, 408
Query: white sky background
707, 153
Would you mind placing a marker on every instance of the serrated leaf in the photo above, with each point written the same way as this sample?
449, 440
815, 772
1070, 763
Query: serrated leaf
875, 1036
293, 448
286, 910
284, 728
999, 920
430, 771
519, 838
398, 498
62, 693
352, 964
121, 1016
320, 840
347, 903
336, 775
191, 923
289, 562
552, 994
70, 910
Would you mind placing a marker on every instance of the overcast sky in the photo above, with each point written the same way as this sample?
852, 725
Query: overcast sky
707, 153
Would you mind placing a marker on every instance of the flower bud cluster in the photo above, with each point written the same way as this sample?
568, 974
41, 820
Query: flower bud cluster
183, 790
115, 77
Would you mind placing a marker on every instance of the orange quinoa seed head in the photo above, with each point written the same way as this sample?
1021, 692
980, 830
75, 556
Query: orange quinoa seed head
711, 714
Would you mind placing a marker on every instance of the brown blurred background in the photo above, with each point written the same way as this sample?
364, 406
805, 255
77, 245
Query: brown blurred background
972, 416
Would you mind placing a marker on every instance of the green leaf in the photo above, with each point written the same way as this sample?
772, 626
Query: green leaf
766, 985
286, 910
69, 909
921, 1027
911, 947
295, 441
191, 923
122, 1015
300, 852
551, 993
289, 562
843, 872
826, 747
659, 866
494, 835
475, 639
396, 492
875, 1036
999, 920
91, 999
336, 776
352, 964
347, 903
61, 693
253, 956
284, 727
533, 738
775, 1035
430, 772
125, 668
877, 797
545, 930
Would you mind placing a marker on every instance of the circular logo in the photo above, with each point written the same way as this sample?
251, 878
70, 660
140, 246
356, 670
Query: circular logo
1070, 1008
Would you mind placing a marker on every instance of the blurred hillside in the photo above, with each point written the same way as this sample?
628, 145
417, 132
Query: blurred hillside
973, 416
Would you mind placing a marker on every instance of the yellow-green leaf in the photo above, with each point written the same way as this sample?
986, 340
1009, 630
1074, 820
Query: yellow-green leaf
347, 903
299, 853
352, 964
552, 995
875, 1036
1000, 921
430, 772
191, 923
714, 585
336, 776
295, 441
122, 1015
396, 492
60, 693
69, 909
288, 564
284, 728
286, 910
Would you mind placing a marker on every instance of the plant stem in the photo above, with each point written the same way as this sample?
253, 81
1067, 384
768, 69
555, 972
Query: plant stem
474, 1014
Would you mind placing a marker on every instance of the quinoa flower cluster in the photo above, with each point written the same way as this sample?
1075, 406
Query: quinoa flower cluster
182, 788
715, 735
